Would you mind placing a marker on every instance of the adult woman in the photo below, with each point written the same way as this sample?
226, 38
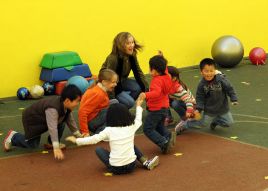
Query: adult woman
122, 60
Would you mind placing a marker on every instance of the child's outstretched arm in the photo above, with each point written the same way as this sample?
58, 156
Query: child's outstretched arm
138, 117
103, 135
142, 96
185, 96
139, 101
71, 139
72, 126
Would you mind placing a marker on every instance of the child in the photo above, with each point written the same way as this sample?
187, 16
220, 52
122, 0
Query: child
183, 101
123, 59
94, 103
120, 132
47, 115
158, 104
211, 97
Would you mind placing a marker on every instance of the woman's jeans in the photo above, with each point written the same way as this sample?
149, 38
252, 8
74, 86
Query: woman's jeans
130, 92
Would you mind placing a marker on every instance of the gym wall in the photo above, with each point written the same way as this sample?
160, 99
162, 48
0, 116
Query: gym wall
183, 30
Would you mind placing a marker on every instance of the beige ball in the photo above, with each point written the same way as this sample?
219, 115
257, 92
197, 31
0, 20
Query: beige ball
36, 91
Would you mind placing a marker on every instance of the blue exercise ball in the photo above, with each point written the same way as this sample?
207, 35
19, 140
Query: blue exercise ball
23, 93
49, 88
227, 51
79, 82
91, 82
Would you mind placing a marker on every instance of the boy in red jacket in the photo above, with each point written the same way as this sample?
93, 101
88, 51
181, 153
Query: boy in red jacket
158, 104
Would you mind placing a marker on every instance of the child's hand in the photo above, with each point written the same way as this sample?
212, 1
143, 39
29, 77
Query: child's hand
85, 134
160, 53
197, 115
142, 96
235, 103
71, 139
77, 134
139, 101
58, 154
189, 115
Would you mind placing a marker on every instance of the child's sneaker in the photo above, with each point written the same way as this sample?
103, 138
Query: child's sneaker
151, 163
50, 146
173, 138
180, 127
7, 141
168, 121
170, 143
213, 126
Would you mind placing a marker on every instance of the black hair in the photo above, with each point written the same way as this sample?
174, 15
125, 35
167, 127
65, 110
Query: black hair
71, 92
158, 63
174, 72
207, 61
118, 115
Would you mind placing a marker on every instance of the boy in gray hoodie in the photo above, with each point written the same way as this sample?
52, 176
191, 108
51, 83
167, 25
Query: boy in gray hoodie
212, 98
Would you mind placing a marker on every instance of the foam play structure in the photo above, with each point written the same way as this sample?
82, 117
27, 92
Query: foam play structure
60, 59
60, 66
60, 85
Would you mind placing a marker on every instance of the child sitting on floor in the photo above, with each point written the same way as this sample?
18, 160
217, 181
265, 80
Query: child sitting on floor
120, 132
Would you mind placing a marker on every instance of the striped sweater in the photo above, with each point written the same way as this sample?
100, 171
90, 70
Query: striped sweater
184, 95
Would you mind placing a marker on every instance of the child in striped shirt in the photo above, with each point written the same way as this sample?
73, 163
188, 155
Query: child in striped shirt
182, 101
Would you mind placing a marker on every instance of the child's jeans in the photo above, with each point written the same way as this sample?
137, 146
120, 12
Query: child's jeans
224, 120
154, 127
98, 124
103, 155
180, 107
19, 139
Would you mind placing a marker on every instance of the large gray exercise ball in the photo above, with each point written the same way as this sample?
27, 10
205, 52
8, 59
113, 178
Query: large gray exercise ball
227, 51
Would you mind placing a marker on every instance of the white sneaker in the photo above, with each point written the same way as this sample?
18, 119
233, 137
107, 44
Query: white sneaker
152, 163
180, 127
7, 141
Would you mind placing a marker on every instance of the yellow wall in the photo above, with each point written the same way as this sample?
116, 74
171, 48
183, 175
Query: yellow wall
183, 30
